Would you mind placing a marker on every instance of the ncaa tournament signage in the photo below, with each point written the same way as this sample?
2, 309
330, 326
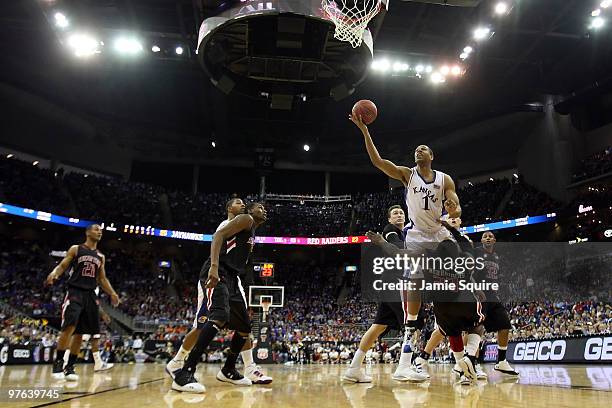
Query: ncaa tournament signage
585, 350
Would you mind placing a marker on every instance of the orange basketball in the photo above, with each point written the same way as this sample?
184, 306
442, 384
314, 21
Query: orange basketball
366, 109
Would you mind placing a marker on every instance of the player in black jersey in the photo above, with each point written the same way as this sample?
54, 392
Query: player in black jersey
80, 314
390, 314
225, 298
234, 207
497, 319
455, 311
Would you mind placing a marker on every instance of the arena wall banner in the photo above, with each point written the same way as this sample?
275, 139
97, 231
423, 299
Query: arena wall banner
195, 236
30, 354
585, 350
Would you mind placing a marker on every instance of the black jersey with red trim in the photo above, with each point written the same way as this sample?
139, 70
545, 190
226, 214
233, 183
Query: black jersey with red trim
234, 254
490, 272
84, 268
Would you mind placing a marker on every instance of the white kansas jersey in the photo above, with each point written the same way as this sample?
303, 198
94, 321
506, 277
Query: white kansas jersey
425, 201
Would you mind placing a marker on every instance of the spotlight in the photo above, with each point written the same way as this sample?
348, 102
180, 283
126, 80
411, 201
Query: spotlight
128, 46
83, 45
429, 69
597, 22
470, 183
515, 175
595, 13
444, 70
179, 50
397, 66
419, 68
490, 178
35, 163
155, 48
8, 156
375, 65
306, 148
213, 144
456, 70
501, 8
468, 49
464, 55
384, 65
60, 20
481, 33
605, 4
437, 78
405, 67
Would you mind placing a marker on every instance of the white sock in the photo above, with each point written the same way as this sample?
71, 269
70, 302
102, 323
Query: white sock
406, 356
458, 355
96, 357
358, 358
247, 357
181, 354
473, 341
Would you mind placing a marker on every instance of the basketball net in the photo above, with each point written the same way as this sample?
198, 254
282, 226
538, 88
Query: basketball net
351, 17
265, 305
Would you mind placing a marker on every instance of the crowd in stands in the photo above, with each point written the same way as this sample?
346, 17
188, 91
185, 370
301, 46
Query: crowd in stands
595, 165
108, 199
315, 320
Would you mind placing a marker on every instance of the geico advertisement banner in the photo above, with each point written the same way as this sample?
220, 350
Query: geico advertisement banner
594, 349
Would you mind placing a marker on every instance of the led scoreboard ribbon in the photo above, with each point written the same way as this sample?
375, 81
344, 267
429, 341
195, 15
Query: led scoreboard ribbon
194, 236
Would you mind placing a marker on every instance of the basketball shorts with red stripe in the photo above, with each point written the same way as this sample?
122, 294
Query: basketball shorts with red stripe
454, 317
394, 315
81, 309
496, 317
226, 302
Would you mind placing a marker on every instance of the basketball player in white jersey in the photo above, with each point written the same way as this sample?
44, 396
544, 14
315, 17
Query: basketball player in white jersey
234, 207
428, 192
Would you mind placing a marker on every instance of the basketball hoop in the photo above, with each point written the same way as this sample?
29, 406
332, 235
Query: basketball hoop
351, 17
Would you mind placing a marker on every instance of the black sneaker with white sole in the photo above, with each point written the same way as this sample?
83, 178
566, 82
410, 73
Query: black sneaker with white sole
70, 374
185, 381
231, 375
58, 370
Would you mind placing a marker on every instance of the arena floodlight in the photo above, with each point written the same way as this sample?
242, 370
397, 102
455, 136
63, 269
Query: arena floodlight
83, 45
468, 49
306, 148
481, 33
429, 69
456, 70
179, 50
437, 78
397, 66
35, 163
597, 22
605, 4
501, 8
419, 68
155, 48
8, 156
464, 55
213, 144
61, 20
595, 13
445, 70
128, 45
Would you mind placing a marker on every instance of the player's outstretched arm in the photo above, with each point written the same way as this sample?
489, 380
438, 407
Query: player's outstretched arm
451, 203
105, 284
400, 173
240, 223
62, 266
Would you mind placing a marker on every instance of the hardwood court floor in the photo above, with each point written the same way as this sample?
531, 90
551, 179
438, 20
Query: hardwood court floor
319, 386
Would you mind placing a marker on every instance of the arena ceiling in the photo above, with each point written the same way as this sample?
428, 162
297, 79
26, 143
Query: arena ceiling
165, 103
